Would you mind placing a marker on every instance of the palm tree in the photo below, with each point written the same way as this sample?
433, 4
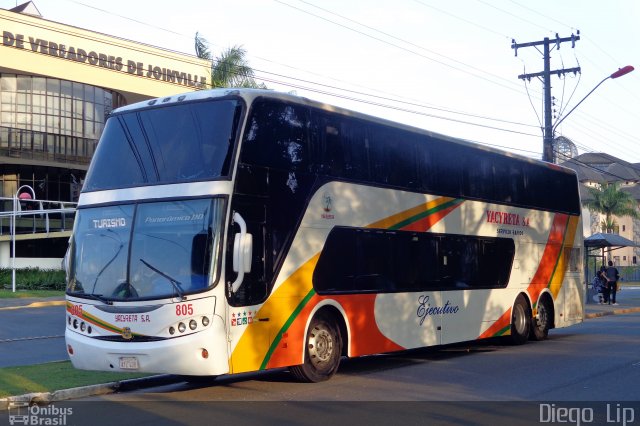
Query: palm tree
230, 69
610, 200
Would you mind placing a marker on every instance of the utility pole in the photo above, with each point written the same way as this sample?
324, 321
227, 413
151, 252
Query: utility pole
547, 144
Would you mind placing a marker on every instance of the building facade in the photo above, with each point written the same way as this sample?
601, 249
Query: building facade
58, 83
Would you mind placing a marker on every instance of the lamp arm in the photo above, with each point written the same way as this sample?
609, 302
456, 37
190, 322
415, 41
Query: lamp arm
553, 130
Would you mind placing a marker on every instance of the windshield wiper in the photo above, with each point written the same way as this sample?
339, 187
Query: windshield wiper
95, 297
175, 283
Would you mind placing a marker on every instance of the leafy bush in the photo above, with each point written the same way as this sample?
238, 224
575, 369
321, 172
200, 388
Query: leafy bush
34, 279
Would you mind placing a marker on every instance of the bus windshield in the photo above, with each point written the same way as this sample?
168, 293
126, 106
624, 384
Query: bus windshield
146, 250
186, 142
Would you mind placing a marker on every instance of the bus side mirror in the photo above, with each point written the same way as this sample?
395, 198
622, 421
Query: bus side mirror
242, 252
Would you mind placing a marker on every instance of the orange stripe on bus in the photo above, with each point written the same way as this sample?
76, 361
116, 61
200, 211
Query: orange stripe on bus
495, 330
390, 221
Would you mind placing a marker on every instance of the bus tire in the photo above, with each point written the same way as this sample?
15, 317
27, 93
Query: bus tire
198, 380
323, 350
520, 321
541, 323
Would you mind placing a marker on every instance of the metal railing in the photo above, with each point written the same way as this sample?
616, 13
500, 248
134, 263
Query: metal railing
24, 203
36, 216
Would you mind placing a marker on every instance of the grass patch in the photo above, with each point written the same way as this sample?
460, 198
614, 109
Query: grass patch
33, 279
53, 376
21, 294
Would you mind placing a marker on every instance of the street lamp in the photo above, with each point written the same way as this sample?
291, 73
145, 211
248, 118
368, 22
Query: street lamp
16, 201
622, 71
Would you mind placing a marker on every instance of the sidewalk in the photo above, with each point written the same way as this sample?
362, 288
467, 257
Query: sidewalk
628, 301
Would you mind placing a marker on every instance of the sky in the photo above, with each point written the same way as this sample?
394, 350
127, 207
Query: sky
445, 66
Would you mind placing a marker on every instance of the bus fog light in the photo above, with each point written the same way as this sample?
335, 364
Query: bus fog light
182, 327
193, 324
205, 321
70, 349
205, 353
172, 331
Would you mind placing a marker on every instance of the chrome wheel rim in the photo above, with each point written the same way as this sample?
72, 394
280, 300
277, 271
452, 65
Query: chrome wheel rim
543, 316
320, 345
519, 319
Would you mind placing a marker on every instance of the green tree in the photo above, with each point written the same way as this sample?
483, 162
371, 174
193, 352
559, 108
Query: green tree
230, 68
610, 200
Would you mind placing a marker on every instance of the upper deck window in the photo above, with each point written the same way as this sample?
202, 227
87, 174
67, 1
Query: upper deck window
172, 144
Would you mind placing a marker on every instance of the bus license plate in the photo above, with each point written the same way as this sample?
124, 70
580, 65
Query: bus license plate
129, 363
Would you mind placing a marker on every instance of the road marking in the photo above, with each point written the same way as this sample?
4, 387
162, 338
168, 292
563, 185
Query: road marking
22, 339
36, 305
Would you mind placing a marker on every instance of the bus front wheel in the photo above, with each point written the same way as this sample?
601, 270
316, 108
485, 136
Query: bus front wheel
520, 321
323, 349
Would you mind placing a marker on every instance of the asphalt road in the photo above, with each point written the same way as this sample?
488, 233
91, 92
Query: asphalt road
591, 371
594, 361
32, 336
593, 367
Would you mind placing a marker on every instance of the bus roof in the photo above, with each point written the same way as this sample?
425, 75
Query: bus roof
249, 95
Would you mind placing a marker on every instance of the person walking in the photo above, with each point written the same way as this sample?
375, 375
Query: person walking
613, 276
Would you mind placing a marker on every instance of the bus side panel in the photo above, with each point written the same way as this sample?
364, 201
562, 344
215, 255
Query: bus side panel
384, 322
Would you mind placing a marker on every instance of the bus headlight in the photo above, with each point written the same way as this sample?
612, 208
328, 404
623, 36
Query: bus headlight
182, 327
193, 324
205, 321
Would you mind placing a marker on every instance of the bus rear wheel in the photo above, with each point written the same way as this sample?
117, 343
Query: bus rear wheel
323, 350
541, 323
520, 321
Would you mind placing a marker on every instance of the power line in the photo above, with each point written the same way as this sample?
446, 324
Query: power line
408, 50
293, 78
513, 15
413, 103
385, 98
466, 21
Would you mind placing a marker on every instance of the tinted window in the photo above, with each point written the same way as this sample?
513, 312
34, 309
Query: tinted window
375, 260
343, 144
147, 250
179, 143
277, 136
393, 156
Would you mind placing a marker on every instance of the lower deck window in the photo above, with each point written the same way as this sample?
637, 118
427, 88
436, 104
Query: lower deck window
374, 260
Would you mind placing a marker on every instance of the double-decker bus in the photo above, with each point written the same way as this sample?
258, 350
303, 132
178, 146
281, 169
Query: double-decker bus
228, 231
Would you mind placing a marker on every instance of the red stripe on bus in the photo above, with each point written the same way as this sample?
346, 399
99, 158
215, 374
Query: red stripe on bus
552, 251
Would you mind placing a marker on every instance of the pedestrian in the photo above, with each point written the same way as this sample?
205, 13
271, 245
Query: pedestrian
613, 276
603, 287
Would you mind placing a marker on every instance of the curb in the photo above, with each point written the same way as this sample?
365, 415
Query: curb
612, 312
42, 398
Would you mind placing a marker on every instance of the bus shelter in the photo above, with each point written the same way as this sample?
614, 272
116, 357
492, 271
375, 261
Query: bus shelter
598, 246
